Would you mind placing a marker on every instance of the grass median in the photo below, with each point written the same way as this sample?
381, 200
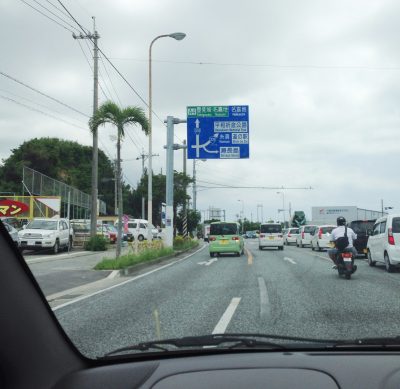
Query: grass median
147, 252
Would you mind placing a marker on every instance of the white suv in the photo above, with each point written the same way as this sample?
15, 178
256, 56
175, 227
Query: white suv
305, 235
322, 237
43, 233
271, 235
384, 243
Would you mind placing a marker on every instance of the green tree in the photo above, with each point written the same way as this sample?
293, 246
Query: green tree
110, 113
63, 160
181, 182
193, 219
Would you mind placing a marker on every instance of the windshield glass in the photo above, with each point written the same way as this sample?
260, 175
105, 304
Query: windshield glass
362, 227
224, 229
396, 225
282, 114
42, 225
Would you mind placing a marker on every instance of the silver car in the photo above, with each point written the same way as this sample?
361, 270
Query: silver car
13, 233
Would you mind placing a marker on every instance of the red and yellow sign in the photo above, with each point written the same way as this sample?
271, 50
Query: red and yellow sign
12, 208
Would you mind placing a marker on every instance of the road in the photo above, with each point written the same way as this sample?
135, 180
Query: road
63, 271
290, 292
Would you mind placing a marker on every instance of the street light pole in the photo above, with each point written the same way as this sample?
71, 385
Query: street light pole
178, 36
283, 206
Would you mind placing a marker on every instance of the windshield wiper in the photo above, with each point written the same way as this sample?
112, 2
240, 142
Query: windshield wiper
235, 341
367, 342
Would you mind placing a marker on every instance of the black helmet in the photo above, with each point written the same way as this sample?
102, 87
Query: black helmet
341, 221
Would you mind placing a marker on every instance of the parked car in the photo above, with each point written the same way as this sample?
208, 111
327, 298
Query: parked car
384, 243
225, 238
362, 228
270, 236
321, 237
112, 231
13, 222
305, 234
290, 235
138, 227
43, 233
13, 232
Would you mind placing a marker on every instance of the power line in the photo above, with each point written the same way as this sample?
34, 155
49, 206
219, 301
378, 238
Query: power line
43, 94
41, 112
109, 78
91, 67
48, 17
70, 15
255, 65
58, 9
52, 13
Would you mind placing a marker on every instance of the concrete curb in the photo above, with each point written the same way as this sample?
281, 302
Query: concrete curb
140, 266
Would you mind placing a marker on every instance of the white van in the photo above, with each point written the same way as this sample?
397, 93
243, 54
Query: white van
271, 235
138, 227
384, 243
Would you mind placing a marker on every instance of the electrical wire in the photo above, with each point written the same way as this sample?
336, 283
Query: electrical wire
254, 65
43, 94
48, 17
109, 78
52, 13
41, 112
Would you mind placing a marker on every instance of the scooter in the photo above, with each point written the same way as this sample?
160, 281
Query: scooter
345, 264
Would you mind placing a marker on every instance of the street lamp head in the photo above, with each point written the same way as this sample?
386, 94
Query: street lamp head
177, 35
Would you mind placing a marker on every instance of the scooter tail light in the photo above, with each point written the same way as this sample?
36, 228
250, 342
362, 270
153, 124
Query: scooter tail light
347, 255
390, 237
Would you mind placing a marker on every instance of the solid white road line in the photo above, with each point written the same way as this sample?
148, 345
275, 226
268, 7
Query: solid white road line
227, 316
290, 260
264, 300
125, 282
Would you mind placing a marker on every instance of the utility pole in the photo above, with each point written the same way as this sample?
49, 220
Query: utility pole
115, 188
194, 186
184, 203
95, 152
143, 157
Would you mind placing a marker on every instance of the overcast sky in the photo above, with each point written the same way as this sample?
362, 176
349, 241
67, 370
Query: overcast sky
321, 78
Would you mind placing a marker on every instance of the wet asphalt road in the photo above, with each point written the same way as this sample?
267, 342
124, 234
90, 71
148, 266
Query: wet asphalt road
291, 292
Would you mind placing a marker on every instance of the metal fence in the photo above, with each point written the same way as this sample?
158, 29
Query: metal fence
36, 183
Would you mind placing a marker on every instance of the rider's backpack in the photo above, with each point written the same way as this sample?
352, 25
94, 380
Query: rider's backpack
343, 241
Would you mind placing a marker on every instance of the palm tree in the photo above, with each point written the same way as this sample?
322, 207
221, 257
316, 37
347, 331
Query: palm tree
110, 112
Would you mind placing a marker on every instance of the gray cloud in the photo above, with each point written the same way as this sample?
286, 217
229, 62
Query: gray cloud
318, 77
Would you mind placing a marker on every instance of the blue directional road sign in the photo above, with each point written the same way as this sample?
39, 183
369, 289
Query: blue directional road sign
218, 132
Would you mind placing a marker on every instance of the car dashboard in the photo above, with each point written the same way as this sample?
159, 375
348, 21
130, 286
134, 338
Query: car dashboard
251, 369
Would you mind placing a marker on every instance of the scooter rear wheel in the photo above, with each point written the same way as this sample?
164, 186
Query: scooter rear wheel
348, 276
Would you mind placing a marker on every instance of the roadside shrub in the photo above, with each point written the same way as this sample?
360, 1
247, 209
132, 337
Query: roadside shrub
96, 243
181, 243
132, 259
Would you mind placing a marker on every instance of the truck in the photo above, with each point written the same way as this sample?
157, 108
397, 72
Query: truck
298, 219
206, 232
329, 214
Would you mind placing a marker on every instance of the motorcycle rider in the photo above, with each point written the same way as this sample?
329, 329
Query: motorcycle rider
339, 232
